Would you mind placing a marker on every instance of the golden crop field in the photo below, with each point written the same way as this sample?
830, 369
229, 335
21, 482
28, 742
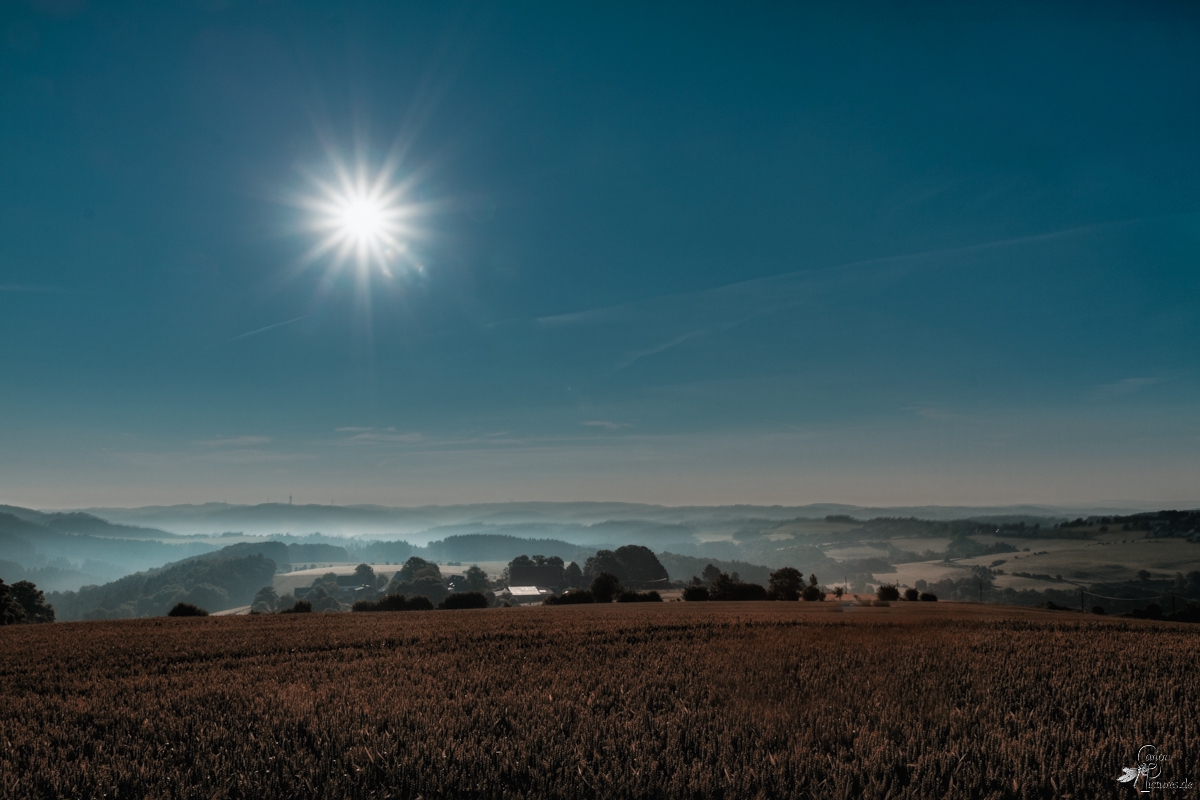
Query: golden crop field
688, 700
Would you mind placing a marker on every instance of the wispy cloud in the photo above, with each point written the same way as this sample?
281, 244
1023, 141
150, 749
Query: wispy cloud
788, 289
234, 441
640, 354
607, 425
221, 455
368, 436
265, 329
1123, 388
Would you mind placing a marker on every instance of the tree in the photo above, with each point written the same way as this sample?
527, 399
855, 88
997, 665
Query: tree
695, 593
710, 574
11, 612
605, 587
321, 599
33, 602
634, 565
911, 594
573, 576
419, 577
519, 561
365, 575
640, 567
328, 581
786, 584
812, 592
887, 592
411, 568
266, 600
603, 561
475, 580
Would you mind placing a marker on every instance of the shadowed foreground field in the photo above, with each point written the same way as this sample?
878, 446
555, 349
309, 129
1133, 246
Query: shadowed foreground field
677, 700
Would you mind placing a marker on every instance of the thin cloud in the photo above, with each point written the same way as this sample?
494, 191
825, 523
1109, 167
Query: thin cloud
367, 436
1123, 388
234, 441
783, 286
606, 425
267, 328
640, 354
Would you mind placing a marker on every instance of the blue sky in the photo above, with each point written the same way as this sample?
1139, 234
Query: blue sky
676, 254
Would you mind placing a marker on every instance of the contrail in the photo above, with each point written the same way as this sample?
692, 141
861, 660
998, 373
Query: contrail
269, 327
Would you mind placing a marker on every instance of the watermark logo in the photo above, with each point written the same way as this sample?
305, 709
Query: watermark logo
1145, 776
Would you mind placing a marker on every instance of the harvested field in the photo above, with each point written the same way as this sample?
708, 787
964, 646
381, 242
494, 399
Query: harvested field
673, 700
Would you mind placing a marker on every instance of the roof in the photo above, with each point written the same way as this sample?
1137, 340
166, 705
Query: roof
525, 591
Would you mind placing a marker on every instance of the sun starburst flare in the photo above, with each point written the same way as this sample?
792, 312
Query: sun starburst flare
362, 219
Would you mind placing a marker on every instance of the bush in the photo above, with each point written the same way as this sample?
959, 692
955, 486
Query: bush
911, 594
1097, 609
186, 610
639, 597
569, 599
420, 603
299, 607
397, 602
695, 593
1152, 611
929, 597
887, 593
726, 588
812, 593
464, 600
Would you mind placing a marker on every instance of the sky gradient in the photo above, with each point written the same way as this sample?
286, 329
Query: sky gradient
669, 254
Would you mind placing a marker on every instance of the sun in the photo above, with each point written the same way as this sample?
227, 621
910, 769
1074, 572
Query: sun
361, 219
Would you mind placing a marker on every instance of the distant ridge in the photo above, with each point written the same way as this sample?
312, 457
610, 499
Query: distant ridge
402, 521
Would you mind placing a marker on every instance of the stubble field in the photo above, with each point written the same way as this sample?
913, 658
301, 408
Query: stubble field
674, 700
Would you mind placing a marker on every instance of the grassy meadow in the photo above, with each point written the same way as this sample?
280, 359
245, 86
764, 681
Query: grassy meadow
695, 700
